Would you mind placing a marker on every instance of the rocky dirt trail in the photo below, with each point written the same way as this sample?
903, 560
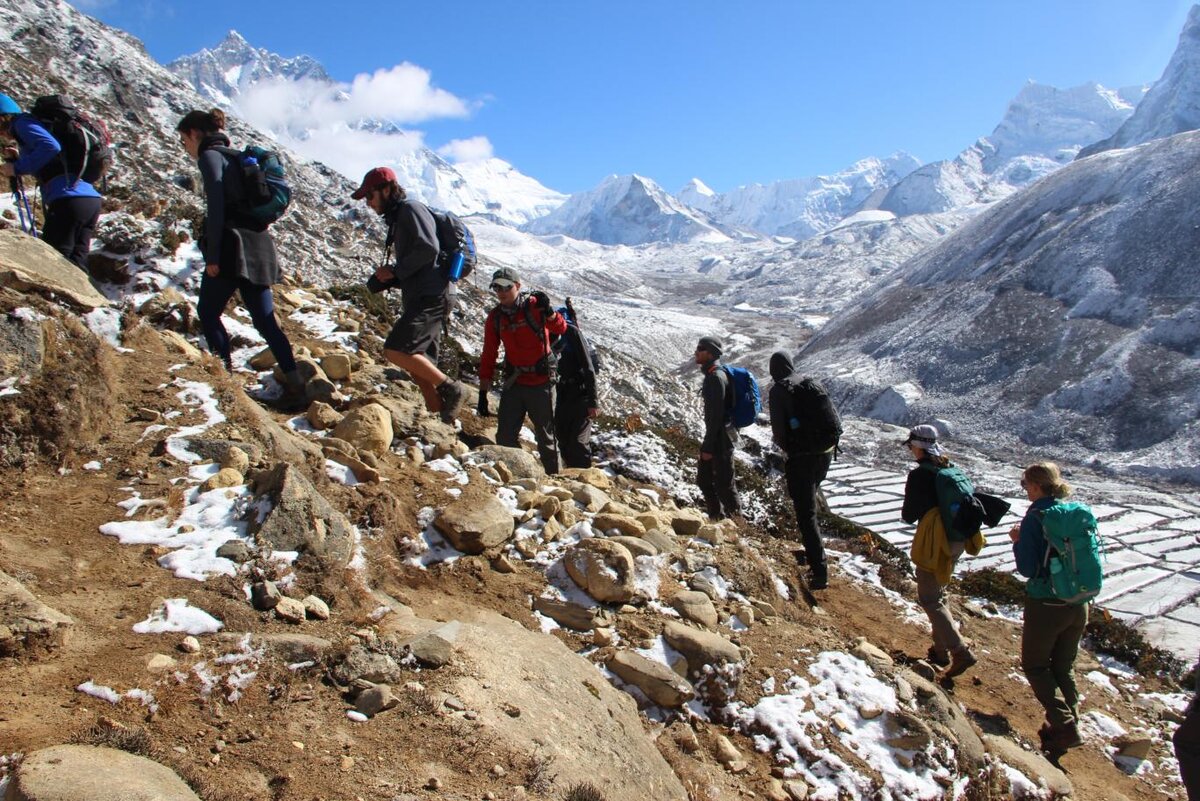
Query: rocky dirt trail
363, 603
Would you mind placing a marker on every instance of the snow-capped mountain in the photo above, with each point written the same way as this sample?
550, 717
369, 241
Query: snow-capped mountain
222, 73
1172, 105
800, 207
1043, 129
628, 210
279, 93
1054, 319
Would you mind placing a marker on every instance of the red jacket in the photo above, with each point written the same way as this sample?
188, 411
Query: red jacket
523, 345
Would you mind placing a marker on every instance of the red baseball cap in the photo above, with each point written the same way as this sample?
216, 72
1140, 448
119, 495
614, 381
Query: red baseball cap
380, 176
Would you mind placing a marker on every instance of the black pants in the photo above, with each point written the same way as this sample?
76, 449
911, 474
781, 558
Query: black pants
715, 479
804, 472
1187, 748
216, 292
519, 400
573, 427
70, 223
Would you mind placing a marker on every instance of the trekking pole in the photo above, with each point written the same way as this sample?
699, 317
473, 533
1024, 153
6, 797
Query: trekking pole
24, 212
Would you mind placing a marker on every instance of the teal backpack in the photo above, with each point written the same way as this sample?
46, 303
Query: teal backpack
962, 513
1072, 559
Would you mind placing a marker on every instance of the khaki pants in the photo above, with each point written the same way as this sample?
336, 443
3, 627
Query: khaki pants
1049, 644
932, 598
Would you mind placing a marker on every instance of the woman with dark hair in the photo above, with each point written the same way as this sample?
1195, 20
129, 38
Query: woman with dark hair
1052, 627
239, 253
949, 650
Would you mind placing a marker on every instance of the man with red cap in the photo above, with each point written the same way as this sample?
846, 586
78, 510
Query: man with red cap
413, 342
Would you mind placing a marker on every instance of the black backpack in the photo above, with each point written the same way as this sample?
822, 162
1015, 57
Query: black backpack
87, 152
454, 238
813, 423
567, 344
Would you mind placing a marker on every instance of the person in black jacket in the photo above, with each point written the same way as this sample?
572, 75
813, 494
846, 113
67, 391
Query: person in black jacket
949, 650
576, 404
239, 254
424, 289
1187, 744
715, 473
807, 462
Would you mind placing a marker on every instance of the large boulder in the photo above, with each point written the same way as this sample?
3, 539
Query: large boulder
658, 682
1036, 767
520, 463
696, 607
603, 569
30, 265
473, 524
700, 648
88, 773
27, 624
526, 687
300, 518
368, 428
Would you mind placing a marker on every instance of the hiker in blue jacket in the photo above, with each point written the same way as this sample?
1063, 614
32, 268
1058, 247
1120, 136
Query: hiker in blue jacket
72, 204
239, 255
949, 650
1053, 628
714, 475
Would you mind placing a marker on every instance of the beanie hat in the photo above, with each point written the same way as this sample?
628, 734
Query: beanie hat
710, 344
925, 438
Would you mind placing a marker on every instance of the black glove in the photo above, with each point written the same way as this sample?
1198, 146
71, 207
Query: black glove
481, 408
540, 300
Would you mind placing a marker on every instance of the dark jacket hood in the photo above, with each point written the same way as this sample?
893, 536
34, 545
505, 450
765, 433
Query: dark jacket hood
781, 365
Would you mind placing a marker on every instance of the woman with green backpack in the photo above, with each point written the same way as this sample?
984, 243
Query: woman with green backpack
1056, 550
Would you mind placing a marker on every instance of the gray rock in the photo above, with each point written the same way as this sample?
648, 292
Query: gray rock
290, 609
293, 648
636, 546
945, 716
590, 498
30, 265
361, 663
696, 607
603, 569
687, 522
315, 608
235, 551
700, 648
218, 450
22, 345
662, 541
472, 524
520, 463
375, 699
1033, 765
264, 595
435, 648
26, 624
571, 615
661, 685
300, 518
88, 773
605, 521
871, 654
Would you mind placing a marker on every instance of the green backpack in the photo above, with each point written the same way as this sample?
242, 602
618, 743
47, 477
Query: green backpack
1072, 559
962, 513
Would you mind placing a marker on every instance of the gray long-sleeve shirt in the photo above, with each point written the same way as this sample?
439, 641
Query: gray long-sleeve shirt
719, 434
414, 238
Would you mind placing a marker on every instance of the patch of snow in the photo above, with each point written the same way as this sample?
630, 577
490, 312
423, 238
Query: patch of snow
176, 614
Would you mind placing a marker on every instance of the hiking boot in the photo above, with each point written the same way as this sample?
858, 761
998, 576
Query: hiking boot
453, 395
938, 659
294, 397
819, 578
961, 661
1057, 739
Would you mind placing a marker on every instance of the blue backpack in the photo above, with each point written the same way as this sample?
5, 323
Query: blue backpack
747, 401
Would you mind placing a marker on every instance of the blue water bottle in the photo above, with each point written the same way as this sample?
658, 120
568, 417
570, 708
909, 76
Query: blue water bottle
456, 265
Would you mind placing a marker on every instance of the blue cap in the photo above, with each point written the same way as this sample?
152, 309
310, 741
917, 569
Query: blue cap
8, 105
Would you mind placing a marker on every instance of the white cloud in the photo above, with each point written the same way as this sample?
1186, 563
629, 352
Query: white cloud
477, 148
316, 119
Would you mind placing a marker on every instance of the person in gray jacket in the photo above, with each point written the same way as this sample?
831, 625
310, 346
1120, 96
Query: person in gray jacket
239, 254
424, 289
715, 473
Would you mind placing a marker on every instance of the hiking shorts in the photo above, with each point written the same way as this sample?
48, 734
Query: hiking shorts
419, 328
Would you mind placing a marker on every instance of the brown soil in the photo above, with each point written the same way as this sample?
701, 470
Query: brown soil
288, 737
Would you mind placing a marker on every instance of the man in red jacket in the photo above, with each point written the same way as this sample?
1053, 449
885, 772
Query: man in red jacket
523, 323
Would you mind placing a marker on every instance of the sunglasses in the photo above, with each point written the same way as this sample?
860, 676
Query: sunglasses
498, 288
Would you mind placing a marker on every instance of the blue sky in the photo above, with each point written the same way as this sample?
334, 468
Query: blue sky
729, 92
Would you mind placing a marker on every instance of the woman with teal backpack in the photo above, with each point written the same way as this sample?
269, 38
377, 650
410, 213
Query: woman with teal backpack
1056, 611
